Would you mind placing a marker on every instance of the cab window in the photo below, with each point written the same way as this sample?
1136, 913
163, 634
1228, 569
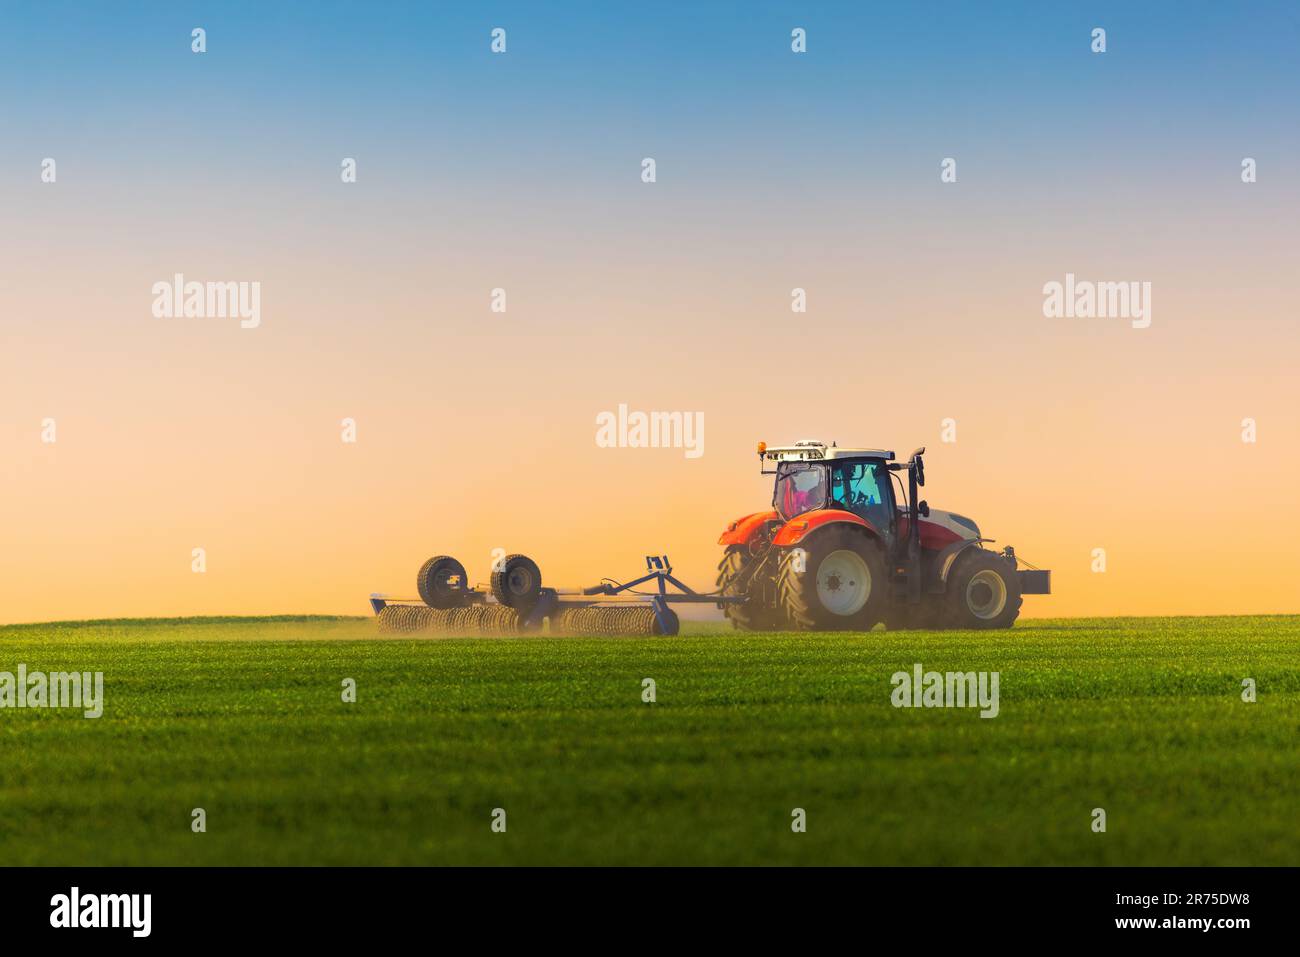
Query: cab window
863, 489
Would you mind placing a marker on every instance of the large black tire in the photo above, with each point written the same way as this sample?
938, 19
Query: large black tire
749, 616
983, 591
829, 592
435, 582
517, 582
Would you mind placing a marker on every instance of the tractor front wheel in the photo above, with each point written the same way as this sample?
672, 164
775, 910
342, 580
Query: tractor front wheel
983, 591
835, 583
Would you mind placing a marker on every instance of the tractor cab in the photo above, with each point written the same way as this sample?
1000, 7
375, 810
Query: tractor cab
810, 476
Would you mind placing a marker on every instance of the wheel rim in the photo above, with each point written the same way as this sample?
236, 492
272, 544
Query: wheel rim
520, 581
445, 581
843, 582
986, 594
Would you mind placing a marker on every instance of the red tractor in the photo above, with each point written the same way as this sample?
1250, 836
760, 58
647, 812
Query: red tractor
838, 551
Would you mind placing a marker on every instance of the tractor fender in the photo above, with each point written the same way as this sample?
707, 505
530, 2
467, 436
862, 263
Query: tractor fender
742, 530
799, 528
946, 558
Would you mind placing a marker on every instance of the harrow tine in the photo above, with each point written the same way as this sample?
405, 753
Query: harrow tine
609, 621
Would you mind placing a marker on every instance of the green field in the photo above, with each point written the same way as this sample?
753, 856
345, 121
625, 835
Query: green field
244, 718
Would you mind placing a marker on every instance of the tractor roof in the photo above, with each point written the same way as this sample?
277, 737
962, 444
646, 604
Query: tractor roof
837, 453
810, 451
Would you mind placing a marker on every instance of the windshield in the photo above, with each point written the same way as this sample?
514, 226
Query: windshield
800, 488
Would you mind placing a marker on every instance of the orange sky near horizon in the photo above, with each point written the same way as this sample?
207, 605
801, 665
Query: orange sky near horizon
1071, 435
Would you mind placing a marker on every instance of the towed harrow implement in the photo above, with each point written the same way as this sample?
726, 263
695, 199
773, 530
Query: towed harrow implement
514, 602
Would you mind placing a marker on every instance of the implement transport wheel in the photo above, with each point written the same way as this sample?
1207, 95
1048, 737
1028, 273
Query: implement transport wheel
674, 623
517, 582
441, 582
983, 591
748, 616
835, 582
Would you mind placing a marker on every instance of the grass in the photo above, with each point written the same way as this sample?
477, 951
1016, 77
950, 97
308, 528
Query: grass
244, 718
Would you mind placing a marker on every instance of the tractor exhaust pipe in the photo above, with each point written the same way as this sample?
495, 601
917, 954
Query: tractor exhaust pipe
915, 479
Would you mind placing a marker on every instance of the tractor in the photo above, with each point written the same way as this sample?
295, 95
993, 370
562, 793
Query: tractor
838, 550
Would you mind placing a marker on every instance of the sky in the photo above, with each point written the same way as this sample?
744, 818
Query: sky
523, 171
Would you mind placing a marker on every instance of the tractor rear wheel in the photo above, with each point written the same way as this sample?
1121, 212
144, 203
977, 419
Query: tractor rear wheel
835, 583
983, 591
749, 616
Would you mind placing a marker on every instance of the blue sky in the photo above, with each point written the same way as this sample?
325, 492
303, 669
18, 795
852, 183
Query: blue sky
668, 63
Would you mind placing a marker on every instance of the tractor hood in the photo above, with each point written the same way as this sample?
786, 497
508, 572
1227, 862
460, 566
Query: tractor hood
959, 525
941, 529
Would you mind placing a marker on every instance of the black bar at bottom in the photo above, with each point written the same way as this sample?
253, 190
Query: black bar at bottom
1227, 906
